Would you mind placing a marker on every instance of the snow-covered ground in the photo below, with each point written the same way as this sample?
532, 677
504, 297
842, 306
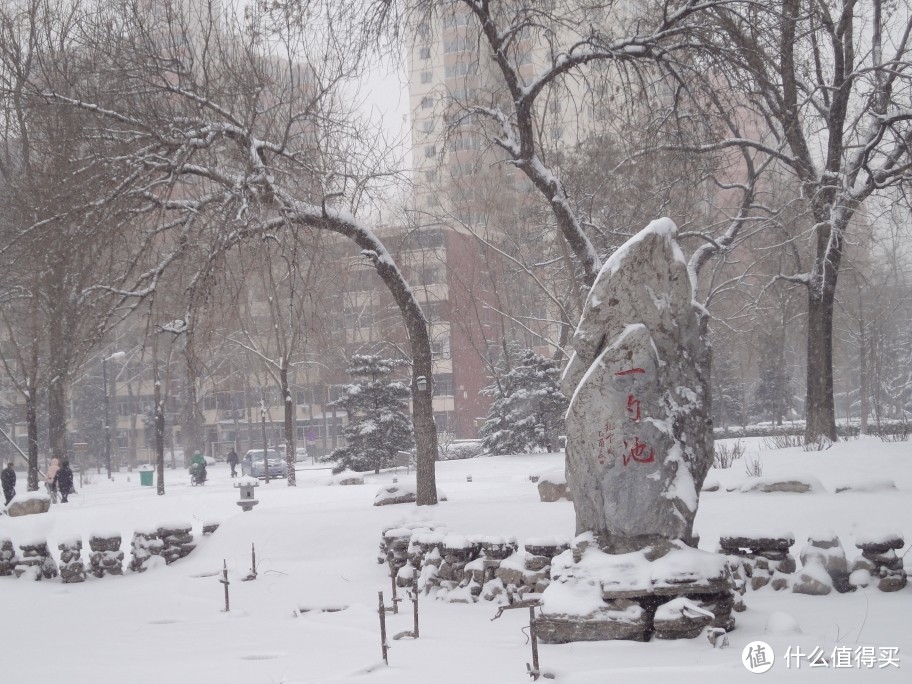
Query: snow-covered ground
317, 547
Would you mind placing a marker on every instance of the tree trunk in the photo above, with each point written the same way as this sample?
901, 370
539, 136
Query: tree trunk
191, 418
57, 417
31, 419
820, 407
289, 427
417, 327
159, 437
863, 368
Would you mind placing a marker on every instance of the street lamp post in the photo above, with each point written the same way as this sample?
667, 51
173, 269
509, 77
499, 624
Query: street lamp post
107, 410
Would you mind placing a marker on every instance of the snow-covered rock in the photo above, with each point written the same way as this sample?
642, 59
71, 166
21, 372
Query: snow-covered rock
639, 442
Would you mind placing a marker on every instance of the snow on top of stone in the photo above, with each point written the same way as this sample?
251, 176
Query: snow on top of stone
496, 539
111, 534
754, 484
675, 608
70, 540
33, 541
580, 598
816, 571
663, 227
167, 525
32, 496
869, 536
554, 476
634, 572
758, 532
875, 484
247, 480
515, 561
547, 541
456, 541
428, 536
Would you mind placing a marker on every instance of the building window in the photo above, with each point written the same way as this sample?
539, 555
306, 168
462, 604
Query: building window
429, 238
426, 76
460, 69
432, 275
459, 44
426, 126
430, 151
443, 385
440, 349
424, 53
427, 102
465, 141
454, 19
436, 311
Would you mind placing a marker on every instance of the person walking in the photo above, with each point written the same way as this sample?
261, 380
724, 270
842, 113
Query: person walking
49, 479
8, 480
63, 480
232, 460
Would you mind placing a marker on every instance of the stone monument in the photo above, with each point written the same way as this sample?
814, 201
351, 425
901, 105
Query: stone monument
639, 436
639, 445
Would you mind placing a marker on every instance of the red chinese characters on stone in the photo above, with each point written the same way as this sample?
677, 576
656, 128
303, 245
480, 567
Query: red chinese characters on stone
633, 408
638, 451
605, 438
630, 371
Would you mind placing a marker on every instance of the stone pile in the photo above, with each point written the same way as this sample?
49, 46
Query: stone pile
460, 568
177, 541
824, 566
36, 561
667, 590
72, 569
106, 557
8, 557
145, 545
458, 551
760, 560
879, 560
210, 527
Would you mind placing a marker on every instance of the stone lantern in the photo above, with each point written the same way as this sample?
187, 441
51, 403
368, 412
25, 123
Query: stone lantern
246, 485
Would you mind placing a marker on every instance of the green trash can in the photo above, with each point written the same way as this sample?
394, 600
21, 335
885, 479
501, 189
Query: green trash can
145, 477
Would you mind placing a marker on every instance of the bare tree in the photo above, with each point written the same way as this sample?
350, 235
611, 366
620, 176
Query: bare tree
828, 83
213, 121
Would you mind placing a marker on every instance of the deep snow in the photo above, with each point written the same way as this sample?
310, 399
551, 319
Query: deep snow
317, 546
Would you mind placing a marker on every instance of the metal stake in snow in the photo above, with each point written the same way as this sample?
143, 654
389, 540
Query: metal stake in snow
531, 604
252, 575
225, 581
384, 646
534, 672
414, 598
396, 599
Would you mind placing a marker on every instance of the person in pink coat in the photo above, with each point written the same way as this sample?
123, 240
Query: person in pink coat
50, 484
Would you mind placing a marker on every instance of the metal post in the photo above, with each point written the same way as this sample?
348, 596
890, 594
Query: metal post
253, 571
107, 417
395, 597
383, 644
265, 459
224, 581
533, 637
415, 604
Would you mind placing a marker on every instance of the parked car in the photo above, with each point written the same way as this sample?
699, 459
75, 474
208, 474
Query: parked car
253, 464
301, 454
